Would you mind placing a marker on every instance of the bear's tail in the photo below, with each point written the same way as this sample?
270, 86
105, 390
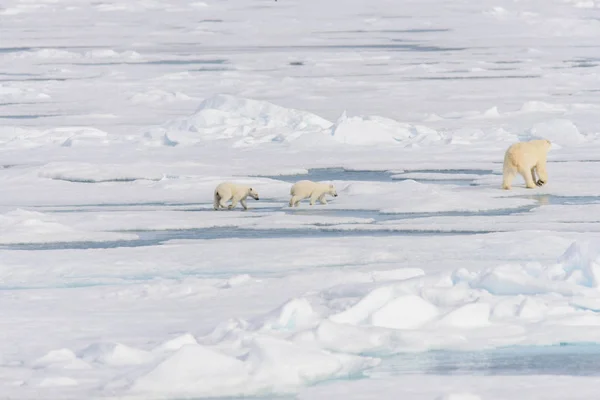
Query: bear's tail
216, 200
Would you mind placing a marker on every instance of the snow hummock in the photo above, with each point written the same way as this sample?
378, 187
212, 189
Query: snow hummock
560, 131
271, 365
247, 121
376, 130
115, 354
404, 312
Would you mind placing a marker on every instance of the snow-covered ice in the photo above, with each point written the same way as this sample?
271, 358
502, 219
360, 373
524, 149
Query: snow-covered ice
422, 280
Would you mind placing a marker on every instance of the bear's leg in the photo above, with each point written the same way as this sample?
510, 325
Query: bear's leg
322, 199
234, 201
535, 180
222, 200
542, 173
293, 201
313, 198
526, 174
243, 202
507, 178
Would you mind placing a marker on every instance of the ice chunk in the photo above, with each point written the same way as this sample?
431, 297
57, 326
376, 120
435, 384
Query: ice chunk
468, 316
404, 312
194, 370
367, 305
374, 130
177, 343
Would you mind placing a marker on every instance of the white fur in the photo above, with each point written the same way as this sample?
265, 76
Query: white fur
315, 190
526, 158
230, 191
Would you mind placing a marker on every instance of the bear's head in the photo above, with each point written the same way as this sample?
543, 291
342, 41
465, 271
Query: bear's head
253, 193
332, 190
546, 144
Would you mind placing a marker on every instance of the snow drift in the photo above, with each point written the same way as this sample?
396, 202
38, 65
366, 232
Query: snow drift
245, 121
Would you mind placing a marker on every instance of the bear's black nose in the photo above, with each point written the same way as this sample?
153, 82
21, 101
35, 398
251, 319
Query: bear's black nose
335, 195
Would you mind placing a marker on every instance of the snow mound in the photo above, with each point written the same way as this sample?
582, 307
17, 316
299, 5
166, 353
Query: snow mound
374, 130
243, 120
283, 366
361, 311
271, 366
560, 131
115, 354
292, 315
177, 343
236, 280
576, 272
404, 312
61, 358
193, 370
467, 316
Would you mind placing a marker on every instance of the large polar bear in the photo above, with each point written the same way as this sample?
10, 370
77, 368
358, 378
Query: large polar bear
230, 191
315, 190
526, 158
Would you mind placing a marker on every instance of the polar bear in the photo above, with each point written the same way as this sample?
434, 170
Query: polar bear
315, 190
230, 191
526, 158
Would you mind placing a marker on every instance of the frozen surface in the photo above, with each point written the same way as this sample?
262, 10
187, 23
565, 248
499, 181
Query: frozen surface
421, 280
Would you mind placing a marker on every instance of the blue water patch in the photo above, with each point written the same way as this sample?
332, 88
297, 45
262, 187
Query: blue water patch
564, 359
334, 174
154, 238
172, 62
342, 174
28, 116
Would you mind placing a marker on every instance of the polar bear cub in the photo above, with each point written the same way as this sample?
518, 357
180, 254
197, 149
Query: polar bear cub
230, 191
526, 158
315, 190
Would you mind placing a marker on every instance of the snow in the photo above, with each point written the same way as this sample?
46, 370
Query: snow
226, 117
378, 130
422, 280
22, 226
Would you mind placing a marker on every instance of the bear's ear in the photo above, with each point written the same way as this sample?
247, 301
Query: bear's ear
250, 189
331, 185
549, 142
